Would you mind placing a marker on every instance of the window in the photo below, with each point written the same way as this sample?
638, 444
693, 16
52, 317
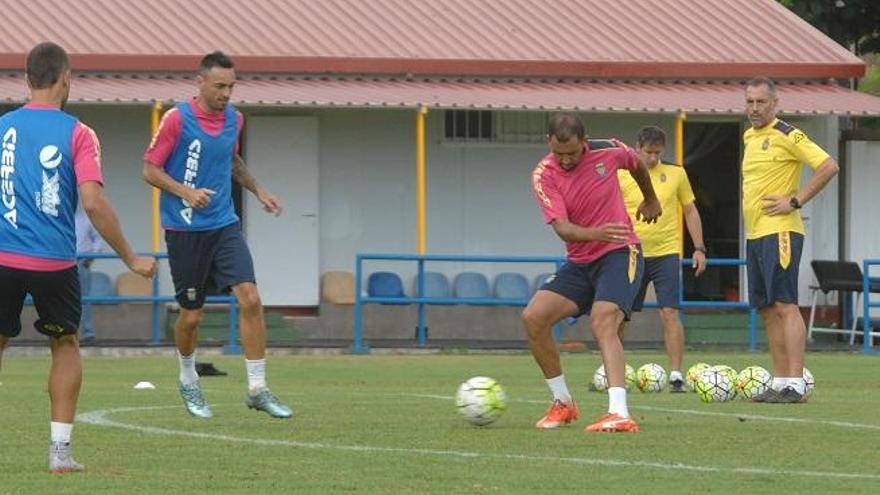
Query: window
483, 126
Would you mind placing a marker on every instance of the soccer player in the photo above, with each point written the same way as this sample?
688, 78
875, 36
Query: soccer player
193, 159
773, 156
577, 191
660, 241
50, 159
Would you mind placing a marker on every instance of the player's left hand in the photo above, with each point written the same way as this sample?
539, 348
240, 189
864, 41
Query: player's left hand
699, 263
271, 203
774, 204
649, 211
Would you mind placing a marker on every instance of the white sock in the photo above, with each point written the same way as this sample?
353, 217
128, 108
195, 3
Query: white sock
188, 374
779, 383
798, 383
256, 372
559, 388
674, 375
617, 401
60, 432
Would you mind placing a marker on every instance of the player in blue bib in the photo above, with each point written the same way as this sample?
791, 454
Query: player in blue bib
50, 160
193, 159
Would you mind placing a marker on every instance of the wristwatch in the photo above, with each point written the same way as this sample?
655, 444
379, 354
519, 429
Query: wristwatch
700, 249
794, 203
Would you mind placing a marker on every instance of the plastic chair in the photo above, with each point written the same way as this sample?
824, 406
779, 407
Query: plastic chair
471, 285
100, 285
132, 284
436, 285
842, 276
337, 287
385, 284
511, 286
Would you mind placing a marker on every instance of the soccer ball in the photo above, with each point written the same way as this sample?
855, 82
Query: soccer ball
694, 372
651, 377
715, 386
727, 370
600, 381
480, 400
753, 381
811, 382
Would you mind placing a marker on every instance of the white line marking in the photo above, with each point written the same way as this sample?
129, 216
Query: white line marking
99, 418
758, 417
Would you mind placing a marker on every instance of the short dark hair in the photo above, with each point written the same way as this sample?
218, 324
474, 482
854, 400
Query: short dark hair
651, 135
564, 126
45, 64
215, 59
763, 81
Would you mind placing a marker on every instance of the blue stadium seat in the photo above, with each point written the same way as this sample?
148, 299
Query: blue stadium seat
436, 285
540, 280
471, 285
385, 284
511, 286
101, 285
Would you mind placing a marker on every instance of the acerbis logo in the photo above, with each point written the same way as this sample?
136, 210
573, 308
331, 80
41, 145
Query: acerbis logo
50, 156
193, 152
7, 170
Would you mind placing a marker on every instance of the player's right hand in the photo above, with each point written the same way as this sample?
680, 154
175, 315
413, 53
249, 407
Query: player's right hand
613, 232
199, 198
145, 266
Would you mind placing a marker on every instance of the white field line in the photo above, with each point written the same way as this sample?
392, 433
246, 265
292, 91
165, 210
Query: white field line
696, 412
100, 418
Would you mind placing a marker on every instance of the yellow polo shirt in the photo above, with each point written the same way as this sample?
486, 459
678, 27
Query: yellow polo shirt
673, 189
773, 157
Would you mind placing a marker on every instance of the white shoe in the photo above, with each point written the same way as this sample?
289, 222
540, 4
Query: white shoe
60, 460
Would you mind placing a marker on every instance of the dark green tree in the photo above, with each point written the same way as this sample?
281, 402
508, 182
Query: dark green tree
854, 24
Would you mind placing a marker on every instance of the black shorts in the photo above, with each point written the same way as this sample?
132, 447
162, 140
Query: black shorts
769, 280
665, 272
615, 277
207, 262
56, 297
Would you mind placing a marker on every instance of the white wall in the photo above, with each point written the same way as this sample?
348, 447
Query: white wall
863, 178
478, 196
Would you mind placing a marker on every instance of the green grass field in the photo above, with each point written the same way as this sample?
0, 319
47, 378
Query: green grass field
387, 424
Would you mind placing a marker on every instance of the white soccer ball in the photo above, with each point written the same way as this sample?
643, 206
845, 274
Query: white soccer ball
600, 381
727, 370
715, 386
810, 381
651, 377
692, 374
753, 381
480, 400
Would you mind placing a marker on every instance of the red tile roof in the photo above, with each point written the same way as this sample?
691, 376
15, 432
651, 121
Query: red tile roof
595, 96
718, 39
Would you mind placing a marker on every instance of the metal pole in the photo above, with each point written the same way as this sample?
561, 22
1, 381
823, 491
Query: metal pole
753, 330
357, 345
866, 306
420, 178
422, 334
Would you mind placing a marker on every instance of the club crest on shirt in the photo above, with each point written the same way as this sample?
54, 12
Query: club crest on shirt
600, 169
663, 177
766, 144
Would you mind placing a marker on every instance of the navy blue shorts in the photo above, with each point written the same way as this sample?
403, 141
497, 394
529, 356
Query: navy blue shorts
769, 282
56, 298
665, 272
615, 277
207, 262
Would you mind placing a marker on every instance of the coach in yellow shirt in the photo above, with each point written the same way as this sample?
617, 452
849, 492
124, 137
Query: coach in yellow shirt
661, 241
773, 156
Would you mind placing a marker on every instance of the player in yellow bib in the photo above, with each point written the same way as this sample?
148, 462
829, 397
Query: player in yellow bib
773, 157
661, 241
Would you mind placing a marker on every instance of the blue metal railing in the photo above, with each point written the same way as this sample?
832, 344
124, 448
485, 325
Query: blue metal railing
358, 346
231, 347
867, 304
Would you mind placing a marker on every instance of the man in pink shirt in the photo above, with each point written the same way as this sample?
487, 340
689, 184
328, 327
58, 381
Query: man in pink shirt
48, 159
577, 189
